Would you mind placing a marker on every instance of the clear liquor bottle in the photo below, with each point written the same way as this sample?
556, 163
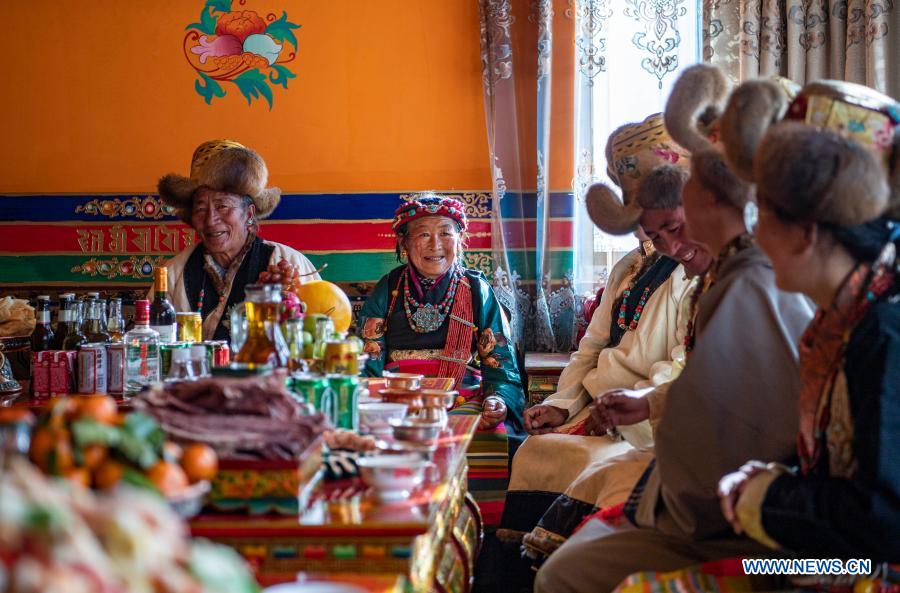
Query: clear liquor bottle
142, 361
42, 336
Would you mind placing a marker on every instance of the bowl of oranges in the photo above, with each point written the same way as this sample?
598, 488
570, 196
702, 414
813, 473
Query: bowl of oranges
88, 441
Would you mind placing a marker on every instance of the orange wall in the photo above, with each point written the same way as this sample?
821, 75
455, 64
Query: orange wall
98, 97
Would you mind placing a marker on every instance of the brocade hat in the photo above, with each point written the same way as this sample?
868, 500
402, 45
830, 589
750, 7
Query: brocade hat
430, 205
632, 152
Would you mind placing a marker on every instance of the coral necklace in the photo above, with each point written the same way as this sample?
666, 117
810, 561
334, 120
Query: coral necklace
637, 310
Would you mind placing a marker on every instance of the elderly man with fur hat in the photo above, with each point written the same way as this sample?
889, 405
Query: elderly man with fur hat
630, 343
223, 200
737, 393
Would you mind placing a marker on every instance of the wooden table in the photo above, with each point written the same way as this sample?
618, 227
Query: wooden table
543, 370
430, 539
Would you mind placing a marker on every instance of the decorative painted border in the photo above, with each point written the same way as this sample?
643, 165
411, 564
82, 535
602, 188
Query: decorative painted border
116, 240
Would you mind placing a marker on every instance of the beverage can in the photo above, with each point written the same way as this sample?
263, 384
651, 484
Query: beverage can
346, 393
221, 353
341, 358
165, 356
314, 389
115, 379
190, 327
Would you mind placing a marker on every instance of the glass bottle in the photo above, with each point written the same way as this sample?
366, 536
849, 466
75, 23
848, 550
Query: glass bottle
264, 344
93, 324
200, 360
293, 334
182, 368
115, 325
66, 302
162, 313
141, 351
42, 336
74, 336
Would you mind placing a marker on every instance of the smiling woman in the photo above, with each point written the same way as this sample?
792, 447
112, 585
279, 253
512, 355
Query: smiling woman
434, 317
223, 200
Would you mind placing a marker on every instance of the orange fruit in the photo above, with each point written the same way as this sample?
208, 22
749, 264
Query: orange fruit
51, 450
94, 455
108, 474
16, 414
98, 407
168, 477
79, 475
320, 296
200, 462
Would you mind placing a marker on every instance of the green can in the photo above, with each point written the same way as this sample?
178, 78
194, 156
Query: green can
315, 390
165, 356
346, 391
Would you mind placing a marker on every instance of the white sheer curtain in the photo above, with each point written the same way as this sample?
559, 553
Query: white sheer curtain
628, 53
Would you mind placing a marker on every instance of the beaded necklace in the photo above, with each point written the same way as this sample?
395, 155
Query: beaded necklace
425, 318
637, 310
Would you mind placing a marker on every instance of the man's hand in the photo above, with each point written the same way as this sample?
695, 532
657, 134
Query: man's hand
543, 418
620, 407
493, 412
731, 486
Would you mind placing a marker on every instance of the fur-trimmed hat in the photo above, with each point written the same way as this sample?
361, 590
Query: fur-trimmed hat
632, 152
221, 165
694, 117
854, 111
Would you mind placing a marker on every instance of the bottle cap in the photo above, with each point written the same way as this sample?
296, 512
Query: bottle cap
142, 311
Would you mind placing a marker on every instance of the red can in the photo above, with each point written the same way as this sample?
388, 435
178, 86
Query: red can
62, 372
92, 368
220, 353
40, 373
115, 381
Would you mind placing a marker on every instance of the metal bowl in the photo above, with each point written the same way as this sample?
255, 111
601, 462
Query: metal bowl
416, 430
392, 447
189, 502
438, 398
412, 399
410, 381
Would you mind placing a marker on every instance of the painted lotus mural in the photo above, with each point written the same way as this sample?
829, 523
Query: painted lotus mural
242, 48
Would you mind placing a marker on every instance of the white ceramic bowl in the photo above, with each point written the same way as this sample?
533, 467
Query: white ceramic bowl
377, 416
392, 476
313, 588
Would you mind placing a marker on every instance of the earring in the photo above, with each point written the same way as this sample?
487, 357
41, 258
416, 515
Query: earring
751, 216
403, 254
250, 221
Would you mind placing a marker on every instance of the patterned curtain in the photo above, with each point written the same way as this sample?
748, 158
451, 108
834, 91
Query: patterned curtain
531, 225
805, 40
628, 53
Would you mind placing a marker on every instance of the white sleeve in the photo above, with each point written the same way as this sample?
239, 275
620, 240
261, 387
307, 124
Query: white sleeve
570, 392
298, 260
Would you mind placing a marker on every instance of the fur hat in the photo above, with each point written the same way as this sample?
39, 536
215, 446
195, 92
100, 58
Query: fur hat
694, 117
854, 111
632, 152
221, 165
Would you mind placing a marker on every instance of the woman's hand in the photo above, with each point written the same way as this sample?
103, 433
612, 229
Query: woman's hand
543, 418
620, 407
493, 412
731, 486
